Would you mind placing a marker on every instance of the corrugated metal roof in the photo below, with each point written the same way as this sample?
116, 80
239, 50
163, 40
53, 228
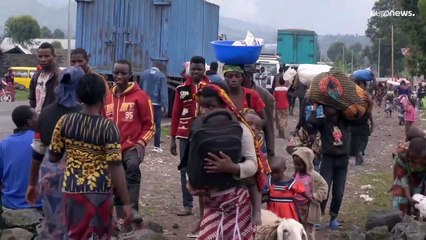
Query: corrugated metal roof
8, 44
142, 32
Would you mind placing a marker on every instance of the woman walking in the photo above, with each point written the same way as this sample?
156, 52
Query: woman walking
51, 174
91, 146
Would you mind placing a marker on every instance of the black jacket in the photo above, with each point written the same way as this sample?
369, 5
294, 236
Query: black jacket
326, 128
50, 88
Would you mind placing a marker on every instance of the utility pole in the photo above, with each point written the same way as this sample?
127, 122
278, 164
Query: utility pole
352, 62
378, 61
343, 58
393, 49
69, 33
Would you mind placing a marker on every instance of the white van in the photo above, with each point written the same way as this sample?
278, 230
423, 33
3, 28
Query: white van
272, 65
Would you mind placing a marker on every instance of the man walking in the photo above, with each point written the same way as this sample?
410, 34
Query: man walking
212, 73
43, 82
130, 109
80, 58
154, 83
185, 109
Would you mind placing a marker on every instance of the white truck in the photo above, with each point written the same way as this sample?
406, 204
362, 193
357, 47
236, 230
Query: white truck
271, 62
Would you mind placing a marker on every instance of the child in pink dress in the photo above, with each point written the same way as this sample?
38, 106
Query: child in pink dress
410, 115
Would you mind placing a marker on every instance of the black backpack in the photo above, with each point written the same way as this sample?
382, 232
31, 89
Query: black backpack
215, 132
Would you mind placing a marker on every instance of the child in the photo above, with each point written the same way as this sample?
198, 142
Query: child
281, 107
282, 191
409, 105
389, 108
316, 187
409, 170
15, 160
255, 123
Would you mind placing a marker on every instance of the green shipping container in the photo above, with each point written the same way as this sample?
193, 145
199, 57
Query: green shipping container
296, 46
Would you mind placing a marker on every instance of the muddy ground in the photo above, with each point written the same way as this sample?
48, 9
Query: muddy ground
161, 195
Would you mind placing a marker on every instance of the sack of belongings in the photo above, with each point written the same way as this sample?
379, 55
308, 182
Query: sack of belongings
363, 75
335, 89
307, 72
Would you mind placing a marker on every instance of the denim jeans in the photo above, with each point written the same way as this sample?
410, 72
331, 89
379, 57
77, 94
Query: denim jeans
334, 169
186, 196
158, 114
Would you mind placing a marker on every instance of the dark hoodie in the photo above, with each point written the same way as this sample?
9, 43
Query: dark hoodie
326, 128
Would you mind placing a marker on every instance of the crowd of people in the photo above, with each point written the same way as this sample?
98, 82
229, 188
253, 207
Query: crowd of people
82, 144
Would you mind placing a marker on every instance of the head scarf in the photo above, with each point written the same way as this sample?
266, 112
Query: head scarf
263, 164
232, 68
66, 89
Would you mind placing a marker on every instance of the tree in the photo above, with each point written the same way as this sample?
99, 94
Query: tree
357, 47
379, 27
335, 51
45, 32
22, 29
58, 33
57, 45
415, 29
421, 5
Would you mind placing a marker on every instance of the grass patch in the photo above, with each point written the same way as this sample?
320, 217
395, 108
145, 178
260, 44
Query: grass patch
22, 95
165, 131
356, 208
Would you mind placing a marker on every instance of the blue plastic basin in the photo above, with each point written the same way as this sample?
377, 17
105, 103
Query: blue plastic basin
236, 55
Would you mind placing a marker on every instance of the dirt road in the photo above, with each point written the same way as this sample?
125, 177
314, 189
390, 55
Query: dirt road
161, 195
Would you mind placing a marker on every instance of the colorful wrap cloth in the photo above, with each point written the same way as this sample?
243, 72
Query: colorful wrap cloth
263, 165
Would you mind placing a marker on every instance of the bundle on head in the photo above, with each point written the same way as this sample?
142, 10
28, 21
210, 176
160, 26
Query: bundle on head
276, 228
335, 89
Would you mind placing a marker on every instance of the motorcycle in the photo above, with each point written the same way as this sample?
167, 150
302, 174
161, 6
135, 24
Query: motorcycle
5, 95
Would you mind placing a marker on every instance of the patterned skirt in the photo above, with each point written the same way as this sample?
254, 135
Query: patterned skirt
281, 119
51, 179
227, 215
88, 215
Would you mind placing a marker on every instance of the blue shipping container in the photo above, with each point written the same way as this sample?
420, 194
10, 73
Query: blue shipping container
142, 31
297, 46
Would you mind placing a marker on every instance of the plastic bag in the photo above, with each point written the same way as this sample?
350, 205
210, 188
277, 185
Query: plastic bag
250, 40
363, 75
307, 72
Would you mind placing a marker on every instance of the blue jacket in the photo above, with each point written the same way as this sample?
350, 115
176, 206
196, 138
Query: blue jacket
15, 164
214, 78
154, 83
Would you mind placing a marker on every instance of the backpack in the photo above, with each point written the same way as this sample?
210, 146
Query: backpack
215, 132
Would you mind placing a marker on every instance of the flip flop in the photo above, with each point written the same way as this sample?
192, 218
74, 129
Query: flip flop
192, 235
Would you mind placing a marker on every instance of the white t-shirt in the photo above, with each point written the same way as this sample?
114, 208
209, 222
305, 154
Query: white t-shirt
40, 91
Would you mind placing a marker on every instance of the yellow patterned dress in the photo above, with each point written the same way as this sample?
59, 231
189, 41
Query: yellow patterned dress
90, 144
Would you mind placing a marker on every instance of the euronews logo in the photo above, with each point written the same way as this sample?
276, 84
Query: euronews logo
392, 13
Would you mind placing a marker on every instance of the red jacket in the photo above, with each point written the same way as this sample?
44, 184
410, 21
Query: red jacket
281, 98
184, 108
133, 115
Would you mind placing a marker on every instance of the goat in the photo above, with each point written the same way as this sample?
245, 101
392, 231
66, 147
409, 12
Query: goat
276, 228
421, 205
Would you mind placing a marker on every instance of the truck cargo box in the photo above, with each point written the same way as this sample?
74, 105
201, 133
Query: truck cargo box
296, 46
141, 31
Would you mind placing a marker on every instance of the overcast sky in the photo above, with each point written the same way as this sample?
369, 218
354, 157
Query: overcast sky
322, 16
